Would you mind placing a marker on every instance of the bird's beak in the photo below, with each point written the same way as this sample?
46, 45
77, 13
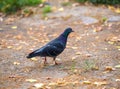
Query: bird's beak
72, 31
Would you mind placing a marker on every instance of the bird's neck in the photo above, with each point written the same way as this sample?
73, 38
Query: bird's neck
63, 38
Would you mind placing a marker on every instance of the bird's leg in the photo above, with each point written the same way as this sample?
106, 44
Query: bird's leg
55, 61
45, 61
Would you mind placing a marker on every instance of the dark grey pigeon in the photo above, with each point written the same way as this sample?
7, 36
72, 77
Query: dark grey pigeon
53, 48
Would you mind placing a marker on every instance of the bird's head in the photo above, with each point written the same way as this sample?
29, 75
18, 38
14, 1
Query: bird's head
67, 31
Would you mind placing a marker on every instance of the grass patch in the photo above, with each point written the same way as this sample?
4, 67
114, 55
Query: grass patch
45, 10
66, 3
11, 6
89, 65
107, 2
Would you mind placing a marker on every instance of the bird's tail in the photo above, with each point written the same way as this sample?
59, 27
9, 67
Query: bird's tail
31, 55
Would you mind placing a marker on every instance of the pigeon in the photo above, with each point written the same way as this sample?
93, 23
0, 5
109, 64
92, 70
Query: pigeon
53, 48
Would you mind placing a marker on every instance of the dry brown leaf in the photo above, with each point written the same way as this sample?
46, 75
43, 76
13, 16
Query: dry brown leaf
16, 63
97, 29
109, 68
111, 7
39, 85
18, 37
14, 27
117, 80
78, 53
19, 48
34, 59
9, 47
73, 58
52, 84
74, 47
100, 83
54, 8
111, 42
117, 66
61, 82
78, 38
86, 82
95, 68
31, 80
1, 29
61, 9
88, 55
117, 10
66, 17
118, 47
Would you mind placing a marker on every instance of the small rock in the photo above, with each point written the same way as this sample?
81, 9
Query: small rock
88, 20
114, 19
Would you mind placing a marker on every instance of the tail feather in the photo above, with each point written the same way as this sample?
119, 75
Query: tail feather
34, 53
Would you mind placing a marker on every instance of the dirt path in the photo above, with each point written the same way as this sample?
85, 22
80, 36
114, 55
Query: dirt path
89, 61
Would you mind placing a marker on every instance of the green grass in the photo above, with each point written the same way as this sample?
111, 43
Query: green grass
11, 6
89, 65
107, 2
66, 4
45, 10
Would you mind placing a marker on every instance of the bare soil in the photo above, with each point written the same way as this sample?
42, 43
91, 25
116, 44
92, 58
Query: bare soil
88, 62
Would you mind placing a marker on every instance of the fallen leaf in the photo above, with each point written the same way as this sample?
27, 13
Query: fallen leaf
74, 47
95, 68
118, 47
1, 29
111, 7
54, 8
16, 63
97, 29
18, 37
52, 84
117, 66
14, 27
61, 82
66, 17
1, 19
88, 55
86, 82
117, 80
117, 10
78, 38
106, 48
111, 42
31, 80
39, 85
78, 53
109, 68
61, 9
100, 83
9, 47
73, 58
34, 59
58, 59
19, 48
114, 39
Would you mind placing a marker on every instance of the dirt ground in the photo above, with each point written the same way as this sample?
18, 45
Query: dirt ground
91, 59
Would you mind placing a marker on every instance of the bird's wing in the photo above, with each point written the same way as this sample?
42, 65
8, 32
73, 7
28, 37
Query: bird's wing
53, 49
